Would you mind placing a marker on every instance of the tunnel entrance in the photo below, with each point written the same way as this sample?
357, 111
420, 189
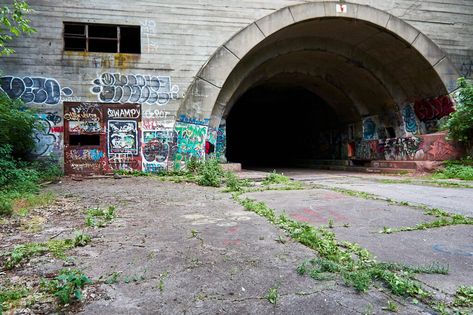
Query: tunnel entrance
307, 96
273, 125
308, 83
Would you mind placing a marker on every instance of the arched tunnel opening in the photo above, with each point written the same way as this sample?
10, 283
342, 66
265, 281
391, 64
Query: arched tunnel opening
283, 126
329, 89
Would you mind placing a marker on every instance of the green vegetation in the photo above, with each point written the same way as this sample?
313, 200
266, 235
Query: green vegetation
426, 182
464, 297
460, 122
13, 23
162, 277
444, 219
273, 295
210, 173
462, 169
97, 217
234, 184
391, 307
18, 177
67, 286
276, 178
24, 252
356, 265
9, 296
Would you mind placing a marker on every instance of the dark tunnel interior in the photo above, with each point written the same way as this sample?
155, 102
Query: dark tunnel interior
274, 126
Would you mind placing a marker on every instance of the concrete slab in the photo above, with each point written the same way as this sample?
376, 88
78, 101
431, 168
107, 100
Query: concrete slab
450, 246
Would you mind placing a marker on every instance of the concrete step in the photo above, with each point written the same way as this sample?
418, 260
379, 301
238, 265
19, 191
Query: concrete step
395, 164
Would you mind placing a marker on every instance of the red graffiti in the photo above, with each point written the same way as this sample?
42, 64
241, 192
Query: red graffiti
301, 218
57, 129
428, 109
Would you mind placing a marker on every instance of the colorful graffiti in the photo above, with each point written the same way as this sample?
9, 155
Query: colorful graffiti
122, 137
37, 90
367, 150
190, 141
144, 89
192, 120
159, 148
221, 146
428, 109
123, 161
402, 149
85, 160
409, 117
84, 118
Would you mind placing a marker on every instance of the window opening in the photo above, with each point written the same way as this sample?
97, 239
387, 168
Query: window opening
84, 140
102, 38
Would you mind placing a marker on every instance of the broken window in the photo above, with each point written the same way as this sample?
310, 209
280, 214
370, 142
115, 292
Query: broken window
102, 38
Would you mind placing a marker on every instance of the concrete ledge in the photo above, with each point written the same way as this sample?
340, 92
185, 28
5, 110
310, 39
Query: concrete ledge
233, 167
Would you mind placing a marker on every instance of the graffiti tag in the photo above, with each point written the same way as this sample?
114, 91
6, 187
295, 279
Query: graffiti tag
37, 90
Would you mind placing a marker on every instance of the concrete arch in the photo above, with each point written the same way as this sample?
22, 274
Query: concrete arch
213, 87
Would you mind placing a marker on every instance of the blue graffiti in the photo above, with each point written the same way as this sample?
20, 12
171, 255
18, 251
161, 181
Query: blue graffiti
409, 118
96, 154
369, 129
34, 89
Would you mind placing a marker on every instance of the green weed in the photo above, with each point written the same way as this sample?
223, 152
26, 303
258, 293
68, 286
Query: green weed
272, 295
24, 252
210, 174
162, 277
234, 184
275, 178
391, 307
8, 296
97, 217
67, 286
356, 265
113, 278
464, 297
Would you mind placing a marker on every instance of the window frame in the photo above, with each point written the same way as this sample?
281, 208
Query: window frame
87, 38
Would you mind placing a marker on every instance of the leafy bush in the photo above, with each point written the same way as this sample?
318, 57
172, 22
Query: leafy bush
67, 286
456, 169
16, 126
210, 173
460, 122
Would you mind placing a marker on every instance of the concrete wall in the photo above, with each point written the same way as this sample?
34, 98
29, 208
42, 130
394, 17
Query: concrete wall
177, 39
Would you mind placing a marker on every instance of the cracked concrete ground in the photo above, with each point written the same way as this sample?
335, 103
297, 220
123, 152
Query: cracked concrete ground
185, 249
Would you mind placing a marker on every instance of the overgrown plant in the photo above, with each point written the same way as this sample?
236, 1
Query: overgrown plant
67, 286
356, 265
23, 253
276, 178
97, 217
210, 174
462, 169
460, 122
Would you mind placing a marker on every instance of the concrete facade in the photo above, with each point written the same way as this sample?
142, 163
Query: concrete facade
377, 64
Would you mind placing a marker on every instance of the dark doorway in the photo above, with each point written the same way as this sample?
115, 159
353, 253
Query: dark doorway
277, 126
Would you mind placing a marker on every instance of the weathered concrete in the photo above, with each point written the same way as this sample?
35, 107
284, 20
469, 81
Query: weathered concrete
450, 246
227, 268
369, 60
